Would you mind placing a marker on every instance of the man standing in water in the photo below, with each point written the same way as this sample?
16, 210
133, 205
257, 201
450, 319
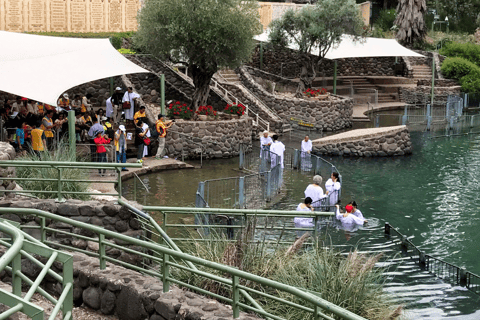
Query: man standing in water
278, 148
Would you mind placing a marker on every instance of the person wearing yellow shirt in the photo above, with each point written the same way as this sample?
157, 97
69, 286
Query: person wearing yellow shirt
39, 145
140, 115
64, 102
47, 126
162, 133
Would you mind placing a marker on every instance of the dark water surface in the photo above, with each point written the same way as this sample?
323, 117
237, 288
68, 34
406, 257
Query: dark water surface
431, 196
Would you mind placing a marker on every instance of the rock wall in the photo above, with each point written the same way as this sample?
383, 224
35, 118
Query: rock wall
128, 294
7, 152
421, 94
285, 63
377, 142
220, 139
330, 115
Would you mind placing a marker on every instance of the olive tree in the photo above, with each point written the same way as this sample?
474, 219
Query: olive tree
411, 21
204, 35
318, 28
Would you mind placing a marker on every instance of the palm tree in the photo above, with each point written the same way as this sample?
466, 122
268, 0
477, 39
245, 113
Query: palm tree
411, 21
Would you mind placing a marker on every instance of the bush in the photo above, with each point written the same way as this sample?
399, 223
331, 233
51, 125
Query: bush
385, 19
457, 68
467, 51
179, 109
38, 175
471, 83
235, 109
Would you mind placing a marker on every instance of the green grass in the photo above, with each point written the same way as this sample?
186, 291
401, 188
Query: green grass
38, 175
351, 282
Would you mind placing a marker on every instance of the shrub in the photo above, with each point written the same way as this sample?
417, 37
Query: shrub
467, 51
38, 175
116, 41
235, 109
471, 83
457, 68
385, 19
178, 109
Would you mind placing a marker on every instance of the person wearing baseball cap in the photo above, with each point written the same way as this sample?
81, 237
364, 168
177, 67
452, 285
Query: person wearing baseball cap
161, 128
116, 101
121, 145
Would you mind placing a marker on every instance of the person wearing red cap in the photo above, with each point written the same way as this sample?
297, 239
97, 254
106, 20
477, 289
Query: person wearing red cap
355, 211
348, 219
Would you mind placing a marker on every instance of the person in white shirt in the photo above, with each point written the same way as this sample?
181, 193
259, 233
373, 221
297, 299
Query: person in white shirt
277, 148
348, 219
333, 187
86, 103
355, 211
148, 135
304, 222
315, 192
306, 161
109, 111
307, 145
132, 98
17, 105
265, 143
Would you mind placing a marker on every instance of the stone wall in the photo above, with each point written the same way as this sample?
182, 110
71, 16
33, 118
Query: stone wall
376, 142
220, 139
332, 115
7, 152
286, 63
128, 294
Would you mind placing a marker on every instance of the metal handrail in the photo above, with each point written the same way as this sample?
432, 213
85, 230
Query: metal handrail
162, 255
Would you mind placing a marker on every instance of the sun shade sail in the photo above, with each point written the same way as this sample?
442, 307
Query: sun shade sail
41, 68
368, 47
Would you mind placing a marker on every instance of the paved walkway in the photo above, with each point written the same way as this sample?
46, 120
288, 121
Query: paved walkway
359, 111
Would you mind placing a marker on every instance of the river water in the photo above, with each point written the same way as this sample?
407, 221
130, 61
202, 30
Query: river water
431, 196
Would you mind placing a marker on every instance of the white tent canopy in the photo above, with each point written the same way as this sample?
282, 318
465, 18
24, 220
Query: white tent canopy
41, 68
347, 48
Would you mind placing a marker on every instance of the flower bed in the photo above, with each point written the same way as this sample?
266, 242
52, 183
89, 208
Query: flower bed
235, 109
179, 110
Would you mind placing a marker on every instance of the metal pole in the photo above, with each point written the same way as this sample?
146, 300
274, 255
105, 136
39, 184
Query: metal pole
162, 91
242, 157
335, 77
261, 55
241, 194
111, 86
71, 135
433, 78
405, 116
429, 117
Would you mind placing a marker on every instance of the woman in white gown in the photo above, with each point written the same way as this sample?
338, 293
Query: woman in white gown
315, 191
348, 218
333, 188
132, 98
304, 222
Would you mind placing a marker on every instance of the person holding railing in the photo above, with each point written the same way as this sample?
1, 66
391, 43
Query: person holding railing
161, 128
265, 143
305, 154
315, 192
333, 187
92, 133
277, 148
303, 222
100, 141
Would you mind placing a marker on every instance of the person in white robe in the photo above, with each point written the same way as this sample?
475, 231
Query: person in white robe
348, 219
306, 161
132, 97
315, 192
145, 147
333, 187
109, 112
304, 222
277, 148
307, 145
355, 211
265, 143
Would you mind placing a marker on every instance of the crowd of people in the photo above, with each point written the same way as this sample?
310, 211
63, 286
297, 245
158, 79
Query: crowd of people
35, 127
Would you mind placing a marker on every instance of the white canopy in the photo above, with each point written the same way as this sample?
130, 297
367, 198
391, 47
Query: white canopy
41, 68
368, 47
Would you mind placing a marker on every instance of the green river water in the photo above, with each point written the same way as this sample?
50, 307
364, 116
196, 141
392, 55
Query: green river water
431, 196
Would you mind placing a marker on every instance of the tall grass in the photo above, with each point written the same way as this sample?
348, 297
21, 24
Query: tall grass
350, 282
38, 175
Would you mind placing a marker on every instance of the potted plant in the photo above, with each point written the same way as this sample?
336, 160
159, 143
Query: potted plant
206, 112
179, 110
321, 93
235, 109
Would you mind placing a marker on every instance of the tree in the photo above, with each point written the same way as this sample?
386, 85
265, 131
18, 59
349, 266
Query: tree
204, 35
316, 27
411, 21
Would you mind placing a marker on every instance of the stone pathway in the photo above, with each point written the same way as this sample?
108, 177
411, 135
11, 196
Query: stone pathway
356, 135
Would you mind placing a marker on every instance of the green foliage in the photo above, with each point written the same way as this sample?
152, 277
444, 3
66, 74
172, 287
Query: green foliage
462, 15
126, 51
320, 26
116, 41
471, 83
38, 175
352, 283
386, 19
467, 51
457, 68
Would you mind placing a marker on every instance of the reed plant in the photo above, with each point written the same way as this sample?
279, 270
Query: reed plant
38, 175
351, 282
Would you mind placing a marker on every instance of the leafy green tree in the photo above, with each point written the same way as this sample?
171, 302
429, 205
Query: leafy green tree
316, 27
463, 15
204, 35
411, 21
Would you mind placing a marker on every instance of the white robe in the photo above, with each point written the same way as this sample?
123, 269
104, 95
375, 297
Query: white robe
303, 222
129, 97
263, 146
109, 111
145, 147
349, 220
316, 193
358, 214
278, 148
332, 189
306, 145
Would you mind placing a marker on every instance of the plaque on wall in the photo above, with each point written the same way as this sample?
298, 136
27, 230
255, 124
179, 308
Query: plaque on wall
14, 15
131, 11
37, 15
97, 15
78, 15
58, 15
115, 16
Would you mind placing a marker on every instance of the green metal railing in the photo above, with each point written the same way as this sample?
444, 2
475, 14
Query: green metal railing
164, 259
59, 179
21, 245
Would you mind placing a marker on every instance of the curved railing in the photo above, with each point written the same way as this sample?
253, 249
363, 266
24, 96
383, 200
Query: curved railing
166, 258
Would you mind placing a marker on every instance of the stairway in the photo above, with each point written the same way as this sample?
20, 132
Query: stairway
230, 76
422, 72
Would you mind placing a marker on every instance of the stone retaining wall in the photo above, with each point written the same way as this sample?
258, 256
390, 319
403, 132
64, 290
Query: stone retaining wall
285, 63
330, 115
377, 142
220, 139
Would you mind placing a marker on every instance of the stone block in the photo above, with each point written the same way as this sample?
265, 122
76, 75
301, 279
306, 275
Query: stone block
67, 210
129, 305
91, 297
166, 308
107, 305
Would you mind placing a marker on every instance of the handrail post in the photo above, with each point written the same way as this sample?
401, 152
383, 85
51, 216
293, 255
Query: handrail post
387, 228
119, 183
43, 233
241, 154
296, 159
241, 192
135, 189
16, 280
269, 185
235, 297
165, 273
101, 251
68, 278
317, 166
59, 186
